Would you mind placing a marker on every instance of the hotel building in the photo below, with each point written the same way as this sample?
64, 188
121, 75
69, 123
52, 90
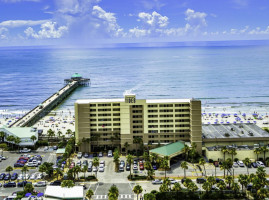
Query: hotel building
108, 123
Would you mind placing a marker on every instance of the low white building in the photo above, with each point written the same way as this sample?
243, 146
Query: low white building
58, 192
24, 133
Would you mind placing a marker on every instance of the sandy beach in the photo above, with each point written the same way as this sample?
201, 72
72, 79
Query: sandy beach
62, 120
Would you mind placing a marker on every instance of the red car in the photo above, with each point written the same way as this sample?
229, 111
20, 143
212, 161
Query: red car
141, 165
23, 158
22, 161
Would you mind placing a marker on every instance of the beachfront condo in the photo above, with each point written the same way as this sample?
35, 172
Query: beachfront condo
102, 124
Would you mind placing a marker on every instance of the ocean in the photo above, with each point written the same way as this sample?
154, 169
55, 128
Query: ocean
223, 77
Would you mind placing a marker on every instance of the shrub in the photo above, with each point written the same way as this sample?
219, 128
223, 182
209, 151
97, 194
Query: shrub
210, 161
236, 159
3, 146
90, 178
40, 143
137, 177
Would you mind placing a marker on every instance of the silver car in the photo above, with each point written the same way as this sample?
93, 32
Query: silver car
40, 184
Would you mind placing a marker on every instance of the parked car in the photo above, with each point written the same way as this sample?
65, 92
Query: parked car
122, 163
33, 176
89, 168
100, 154
18, 165
79, 163
85, 163
154, 166
55, 147
157, 181
2, 176
32, 164
254, 165
56, 183
10, 184
25, 150
40, 184
102, 162
101, 169
240, 163
95, 169
121, 168
260, 164
173, 181
218, 180
14, 176
135, 167
23, 183
7, 177
86, 155
72, 165
141, 166
235, 165
109, 154
3, 158
127, 167
200, 180
39, 176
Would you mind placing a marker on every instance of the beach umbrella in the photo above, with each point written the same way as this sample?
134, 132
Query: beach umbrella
228, 122
208, 122
254, 122
40, 194
209, 114
215, 122
242, 122
216, 115
28, 194
221, 122
248, 121
234, 122
9, 121
244, 114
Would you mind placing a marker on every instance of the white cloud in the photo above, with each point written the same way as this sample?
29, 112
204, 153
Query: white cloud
20, 23
196, 20
154, 20
136, 32
258, 31
3, 32
48, 30
152, 4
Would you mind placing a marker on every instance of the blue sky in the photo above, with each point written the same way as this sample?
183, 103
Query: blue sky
92, 22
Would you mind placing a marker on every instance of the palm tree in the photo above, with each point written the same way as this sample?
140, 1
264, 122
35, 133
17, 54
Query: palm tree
247, 162
233, 153
264, 149
229, 180
116, 159
95, 164
221, 185
84, 170
149, 169
58, 173
59, 133
243, 180
207, 186
2, 136
235, 187
129, 159
77, 169
137, 190
24, 170
17, 141
184, 165
67, 183
177, 187
154, 157
202, 162
89, 194
9, 169
113, 193
33, 138
257, 151
186, 150
165, 164
126, 145
224, 150
137, 140
10, 139
193, 150
50, 133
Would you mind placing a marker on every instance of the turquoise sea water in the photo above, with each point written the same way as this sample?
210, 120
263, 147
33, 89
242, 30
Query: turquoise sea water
227, 76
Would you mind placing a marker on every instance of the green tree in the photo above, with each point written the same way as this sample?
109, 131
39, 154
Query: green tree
137, 190
165, 164
129, 159
247, 162
33, 138
184, 165
243, 179
10, 139
193, 151
50, 134
29, 188
264, 149
24, 169
262, 193
77, 169
95, 164
232, 152
59, 133
137, 140
68, 183
186, 150
116, 159
17, 141
146, 156
221, 185
257, 151
224, 150
202, 162
42, 168
149, 196
84, 170
49, 168
2, 136
58, 173
207, 186
113, 193
89, 194
149, 169
229, 180
176, 187
154, 157
235, 187
126, 146
9, 169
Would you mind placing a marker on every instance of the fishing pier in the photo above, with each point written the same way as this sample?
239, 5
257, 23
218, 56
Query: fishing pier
30, 118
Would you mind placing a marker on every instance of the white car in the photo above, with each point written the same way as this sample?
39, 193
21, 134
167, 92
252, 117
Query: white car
135, 167
39, 176
240, 163
33, 176
101, 165
173, 181
101, 169
32, 164
95, 169
40, 184
109, 154
3, 157
102, 162
20, 177
25, 150
79, 155
260, 164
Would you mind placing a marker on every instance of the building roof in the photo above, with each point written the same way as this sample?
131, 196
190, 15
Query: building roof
212, 131
76, 75
62, 151
87, 101
171, 150
75, 192
21, 132
168, 101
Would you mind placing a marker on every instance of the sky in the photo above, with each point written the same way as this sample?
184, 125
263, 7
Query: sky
95, 22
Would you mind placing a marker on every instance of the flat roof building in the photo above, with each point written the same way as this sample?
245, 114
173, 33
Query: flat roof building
107, 123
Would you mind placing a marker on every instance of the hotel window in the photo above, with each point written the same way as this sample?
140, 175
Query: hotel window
166, 115
166, 121
92, 115
137, 131
137, 106
182, 115
93, 120
116, 104
116, 109
104, 119
93, 129
151, 136
152, 126
116, 129
104, 110
167, 110
137, 127
116, 119
153, 106
152, 111
153, 131
116, 124
137, 116
137, 121
104, 115
167, 126
137, 111
103, 105
116, 114
92, 105
166, 105
153, 121
93, 125
92, 110
182, 120
166, 131
182, 110
152, 116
